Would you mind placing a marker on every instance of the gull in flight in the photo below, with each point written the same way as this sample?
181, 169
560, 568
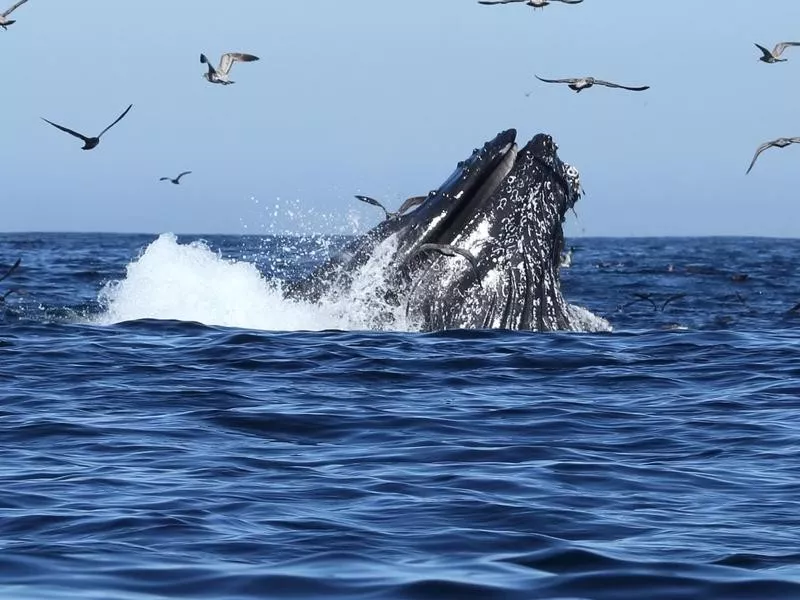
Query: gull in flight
409, 203
88, 142
774, 56
584, 83
177, 180
533, 3
448, 250
220, 74
4, 20
779, 143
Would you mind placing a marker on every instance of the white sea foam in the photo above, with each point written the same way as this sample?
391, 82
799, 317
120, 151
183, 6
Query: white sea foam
191, 282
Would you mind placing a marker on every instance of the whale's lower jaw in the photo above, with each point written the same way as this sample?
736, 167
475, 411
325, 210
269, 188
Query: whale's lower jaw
502, 207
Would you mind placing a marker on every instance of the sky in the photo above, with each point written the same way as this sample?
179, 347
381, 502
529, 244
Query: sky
384, 98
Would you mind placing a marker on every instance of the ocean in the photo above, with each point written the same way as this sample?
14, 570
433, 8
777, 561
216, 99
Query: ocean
172, 428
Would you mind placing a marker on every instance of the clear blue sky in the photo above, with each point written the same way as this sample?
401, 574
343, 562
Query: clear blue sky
384, 97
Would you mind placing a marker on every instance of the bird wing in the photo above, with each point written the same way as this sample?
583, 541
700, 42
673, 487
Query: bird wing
759, 150
670, 299
765, 52
226, 60
374, 202
448, 250
489, 2
644, 297
570, 1
67, 130
11, 269
178, 178
204, 60
624, 87
569, 80
779, 48
163, 178
13, 8
410, 203
117, 120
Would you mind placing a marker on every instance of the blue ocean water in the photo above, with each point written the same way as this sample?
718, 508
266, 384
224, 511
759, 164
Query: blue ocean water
171, 428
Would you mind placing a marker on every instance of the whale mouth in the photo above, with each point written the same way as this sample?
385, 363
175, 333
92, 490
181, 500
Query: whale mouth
475, 183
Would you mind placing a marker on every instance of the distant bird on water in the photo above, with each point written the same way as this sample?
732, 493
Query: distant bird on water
89, 142
409, 203
4, 20
533, 3
177, 180
221, 73
779, 143
584, 83
774, 56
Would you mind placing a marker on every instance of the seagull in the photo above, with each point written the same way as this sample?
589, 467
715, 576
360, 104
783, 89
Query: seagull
640, 297
583, 83
779, 143
4, 22
409, 203
774, 56
89, 142
448, 250
533, 3
220, 74
177, 180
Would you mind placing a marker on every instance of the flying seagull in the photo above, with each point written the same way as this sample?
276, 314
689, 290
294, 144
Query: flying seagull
774, 56
583, 83
220, 74
409, 203
779, 143
89, 142
177, 180
4, 21
533, 3
448, 250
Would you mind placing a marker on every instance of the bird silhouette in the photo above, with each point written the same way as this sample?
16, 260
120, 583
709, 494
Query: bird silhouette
177, 180
88, 142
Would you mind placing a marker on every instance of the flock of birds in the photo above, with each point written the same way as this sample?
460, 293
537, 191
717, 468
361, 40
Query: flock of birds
221, 75
583, 83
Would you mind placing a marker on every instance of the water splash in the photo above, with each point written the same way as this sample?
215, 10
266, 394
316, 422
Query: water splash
190, 282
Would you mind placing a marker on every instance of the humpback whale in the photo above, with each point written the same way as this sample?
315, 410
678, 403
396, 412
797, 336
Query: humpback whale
496, 223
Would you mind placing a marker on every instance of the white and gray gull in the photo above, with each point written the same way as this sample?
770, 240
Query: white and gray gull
221, 74
4, 20
584, 83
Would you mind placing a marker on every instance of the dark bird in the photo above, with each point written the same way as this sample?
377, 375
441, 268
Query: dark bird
409, 203
642, 297
584, 83
88, 142
774, 56
221, 73
448, 250
533, 3
779, 143
11, 269
795, 309
177, 180
4, 20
